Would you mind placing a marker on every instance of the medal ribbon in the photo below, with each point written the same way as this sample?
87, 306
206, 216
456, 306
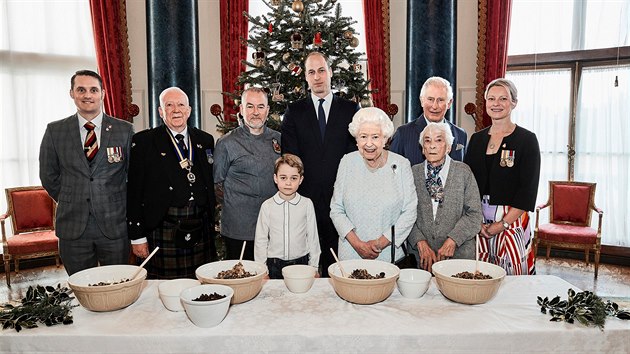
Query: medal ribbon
180, 154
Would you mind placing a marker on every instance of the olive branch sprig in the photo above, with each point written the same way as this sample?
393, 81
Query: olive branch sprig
584, 306
48, 305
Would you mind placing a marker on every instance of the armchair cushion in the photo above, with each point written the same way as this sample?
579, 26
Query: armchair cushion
33, 242
32, 210
571, 203
567, 233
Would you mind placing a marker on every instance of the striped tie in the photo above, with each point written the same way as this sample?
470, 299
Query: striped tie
90, 147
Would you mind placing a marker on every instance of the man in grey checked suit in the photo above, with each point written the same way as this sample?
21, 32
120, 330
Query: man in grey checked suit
88, 182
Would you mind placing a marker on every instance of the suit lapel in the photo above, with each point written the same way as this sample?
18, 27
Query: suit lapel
199, 152
74, 135
425, 198
166, 151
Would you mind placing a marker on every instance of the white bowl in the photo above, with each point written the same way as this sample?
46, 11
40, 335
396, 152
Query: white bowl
413, 283
467, 291
107, 297
245, 289
170, 290
299, 277
206, 313
364, 291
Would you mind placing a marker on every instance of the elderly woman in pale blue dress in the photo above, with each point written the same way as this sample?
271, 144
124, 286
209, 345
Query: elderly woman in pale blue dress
374, 191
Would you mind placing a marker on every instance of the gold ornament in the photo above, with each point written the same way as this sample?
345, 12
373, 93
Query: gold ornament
276, 2
366, 102
286, 57
354, 42
297, 6
347, 35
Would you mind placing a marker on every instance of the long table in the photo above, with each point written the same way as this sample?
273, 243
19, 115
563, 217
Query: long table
319, 321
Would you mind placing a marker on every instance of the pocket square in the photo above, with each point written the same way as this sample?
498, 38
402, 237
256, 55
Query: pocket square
459, 147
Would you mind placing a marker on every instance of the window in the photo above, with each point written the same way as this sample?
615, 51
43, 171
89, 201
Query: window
42, 44
573, 76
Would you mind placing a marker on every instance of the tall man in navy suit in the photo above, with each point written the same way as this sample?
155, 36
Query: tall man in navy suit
436, 97
83, 161
316, 129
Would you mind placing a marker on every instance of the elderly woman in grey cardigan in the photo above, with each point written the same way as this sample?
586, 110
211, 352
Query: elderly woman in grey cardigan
449, 210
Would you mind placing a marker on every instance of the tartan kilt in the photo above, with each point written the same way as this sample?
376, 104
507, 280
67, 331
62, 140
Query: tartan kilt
171, 262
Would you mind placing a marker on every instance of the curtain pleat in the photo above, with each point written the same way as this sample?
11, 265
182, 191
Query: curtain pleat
234, 26
376, 14
493, 34
109, 22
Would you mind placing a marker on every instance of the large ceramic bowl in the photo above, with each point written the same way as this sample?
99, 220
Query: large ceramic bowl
107, 297
245, 289
170, 290
299, 277
413, 283
467, 291
206, 313
364, 291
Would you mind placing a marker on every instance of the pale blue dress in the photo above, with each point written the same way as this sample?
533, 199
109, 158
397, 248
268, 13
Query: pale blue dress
370, 202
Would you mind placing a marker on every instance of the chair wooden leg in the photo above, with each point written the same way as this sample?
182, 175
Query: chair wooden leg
535, 249
17, 265
57, 260
586, 254
596, 262
548, 251
7, 270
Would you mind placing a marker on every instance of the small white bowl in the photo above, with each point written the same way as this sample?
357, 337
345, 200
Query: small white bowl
206, 313
413, 283
171, 289
299, 277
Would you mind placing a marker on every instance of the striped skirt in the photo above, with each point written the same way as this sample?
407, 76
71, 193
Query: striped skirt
171, 262
510, 249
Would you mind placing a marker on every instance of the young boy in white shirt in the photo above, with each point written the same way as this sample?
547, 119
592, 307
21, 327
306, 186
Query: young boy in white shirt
286, 231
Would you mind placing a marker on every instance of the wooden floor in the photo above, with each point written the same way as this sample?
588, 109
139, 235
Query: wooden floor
612, 283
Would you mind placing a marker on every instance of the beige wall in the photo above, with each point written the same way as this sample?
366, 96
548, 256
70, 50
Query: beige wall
209, 54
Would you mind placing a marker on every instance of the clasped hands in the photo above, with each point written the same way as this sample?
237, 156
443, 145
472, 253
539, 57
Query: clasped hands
428, 256
367, 249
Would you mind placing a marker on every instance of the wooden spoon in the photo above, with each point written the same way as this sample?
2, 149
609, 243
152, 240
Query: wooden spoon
143, 263
343, 272
240, 259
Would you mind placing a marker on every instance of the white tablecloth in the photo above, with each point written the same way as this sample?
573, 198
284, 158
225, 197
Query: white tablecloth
319, 321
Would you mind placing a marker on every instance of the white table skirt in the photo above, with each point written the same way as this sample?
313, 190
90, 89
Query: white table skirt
319, 321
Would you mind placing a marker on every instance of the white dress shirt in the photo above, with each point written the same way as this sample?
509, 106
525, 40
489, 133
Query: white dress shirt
327, 103
98, 123
287, 230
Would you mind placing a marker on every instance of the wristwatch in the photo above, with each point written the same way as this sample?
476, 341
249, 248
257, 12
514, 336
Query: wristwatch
505, 224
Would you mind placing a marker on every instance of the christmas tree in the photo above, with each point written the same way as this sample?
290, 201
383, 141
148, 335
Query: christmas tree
283, 38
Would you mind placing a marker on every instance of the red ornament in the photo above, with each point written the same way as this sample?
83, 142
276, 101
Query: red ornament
317, 41
270, 28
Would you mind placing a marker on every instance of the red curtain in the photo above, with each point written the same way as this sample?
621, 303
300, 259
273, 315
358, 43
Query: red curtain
493, 34
376, 14
109, 21
234, 26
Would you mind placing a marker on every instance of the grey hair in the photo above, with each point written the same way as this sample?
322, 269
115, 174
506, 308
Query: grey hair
509, 86
254, 89
439, 82
371, 115
173, 88
444, 127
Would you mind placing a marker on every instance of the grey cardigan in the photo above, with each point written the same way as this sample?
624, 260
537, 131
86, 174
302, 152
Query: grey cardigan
458, 217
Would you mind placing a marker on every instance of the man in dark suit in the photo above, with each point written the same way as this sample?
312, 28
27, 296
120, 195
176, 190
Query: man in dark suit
316, 129
436, 97
83, 162
170, 192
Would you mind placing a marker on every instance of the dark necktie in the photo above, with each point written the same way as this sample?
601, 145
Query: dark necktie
321, 116
182, 145
434, 182
90, 147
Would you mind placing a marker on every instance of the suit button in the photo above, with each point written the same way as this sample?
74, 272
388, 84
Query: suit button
88, 200
91, 179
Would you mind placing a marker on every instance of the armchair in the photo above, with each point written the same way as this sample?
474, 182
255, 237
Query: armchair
32, 214
570, 208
